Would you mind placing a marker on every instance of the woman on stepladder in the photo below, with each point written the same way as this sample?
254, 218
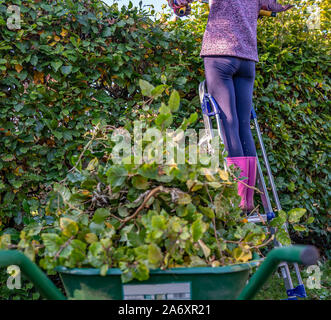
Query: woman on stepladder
229, 51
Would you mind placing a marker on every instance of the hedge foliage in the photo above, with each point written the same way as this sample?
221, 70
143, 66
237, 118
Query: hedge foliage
74, 64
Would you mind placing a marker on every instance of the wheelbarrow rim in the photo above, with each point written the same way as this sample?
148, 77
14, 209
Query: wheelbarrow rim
191, 270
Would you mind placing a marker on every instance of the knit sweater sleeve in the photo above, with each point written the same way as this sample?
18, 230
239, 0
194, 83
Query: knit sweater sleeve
272, 5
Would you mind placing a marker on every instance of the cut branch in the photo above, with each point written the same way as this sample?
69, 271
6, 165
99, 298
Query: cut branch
63, 247
141, 207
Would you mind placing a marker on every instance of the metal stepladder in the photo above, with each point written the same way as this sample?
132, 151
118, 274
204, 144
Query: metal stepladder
210, 110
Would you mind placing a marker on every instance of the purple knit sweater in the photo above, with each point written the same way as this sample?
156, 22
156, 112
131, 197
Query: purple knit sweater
231, 27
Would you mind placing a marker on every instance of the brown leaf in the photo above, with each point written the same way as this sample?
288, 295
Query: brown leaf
38, 77
18, 68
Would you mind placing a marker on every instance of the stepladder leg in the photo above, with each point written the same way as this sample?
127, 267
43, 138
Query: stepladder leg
298, 291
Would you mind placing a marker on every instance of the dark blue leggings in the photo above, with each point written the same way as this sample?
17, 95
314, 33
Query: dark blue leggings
230, 81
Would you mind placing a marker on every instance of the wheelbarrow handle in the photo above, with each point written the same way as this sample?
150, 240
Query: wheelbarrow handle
43, 284
306, 255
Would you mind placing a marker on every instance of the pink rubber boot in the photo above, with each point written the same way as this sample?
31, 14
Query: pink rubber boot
251, 182
243, 164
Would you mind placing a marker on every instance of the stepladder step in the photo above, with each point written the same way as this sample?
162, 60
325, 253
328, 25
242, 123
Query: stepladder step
258, 218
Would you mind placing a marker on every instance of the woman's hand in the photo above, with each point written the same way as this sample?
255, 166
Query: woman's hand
272, 5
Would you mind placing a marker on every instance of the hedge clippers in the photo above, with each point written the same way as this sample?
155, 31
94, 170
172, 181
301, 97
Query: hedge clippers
183, 11
180, 11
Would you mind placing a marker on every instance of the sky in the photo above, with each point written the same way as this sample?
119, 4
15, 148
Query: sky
157, 3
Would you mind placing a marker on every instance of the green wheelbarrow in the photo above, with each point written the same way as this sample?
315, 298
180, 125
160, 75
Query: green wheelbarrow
198, 283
